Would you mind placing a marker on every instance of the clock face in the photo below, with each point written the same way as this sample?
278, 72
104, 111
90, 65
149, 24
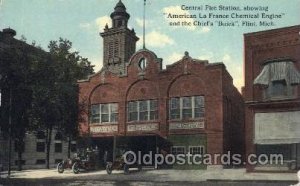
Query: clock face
142, 63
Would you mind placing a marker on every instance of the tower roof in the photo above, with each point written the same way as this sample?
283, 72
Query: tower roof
120, 6
120, 10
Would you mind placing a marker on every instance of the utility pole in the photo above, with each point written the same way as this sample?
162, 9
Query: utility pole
9, 131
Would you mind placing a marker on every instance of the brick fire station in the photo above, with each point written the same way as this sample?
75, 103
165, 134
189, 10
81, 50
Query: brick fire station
133, 103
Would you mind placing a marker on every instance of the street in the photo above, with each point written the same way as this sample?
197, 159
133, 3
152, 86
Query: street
44, 177
88, 182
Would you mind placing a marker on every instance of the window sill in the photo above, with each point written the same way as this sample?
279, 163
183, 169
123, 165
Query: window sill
141, 122
108, 123
187, 120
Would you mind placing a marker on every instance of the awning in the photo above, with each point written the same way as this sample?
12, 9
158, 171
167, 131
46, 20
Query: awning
274, 71
277, 128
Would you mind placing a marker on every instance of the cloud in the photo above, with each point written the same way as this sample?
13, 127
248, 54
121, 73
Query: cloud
226, 58
235, 70
156, 39
205, 29
175, 56
97, 61
85, 25
139, 22
102, 21
206, 56
96, 25
176, 10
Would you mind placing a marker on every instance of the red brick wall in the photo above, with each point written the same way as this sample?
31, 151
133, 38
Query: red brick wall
234, 122
187, 77
259, 47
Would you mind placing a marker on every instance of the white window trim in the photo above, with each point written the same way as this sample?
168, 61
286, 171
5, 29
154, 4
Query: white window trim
176, 146
138, 110
193, 107
109, 114
170, 108
181, 107
149, 110
197, 146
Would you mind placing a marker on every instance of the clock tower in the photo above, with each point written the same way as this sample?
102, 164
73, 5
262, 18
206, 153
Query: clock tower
119, 42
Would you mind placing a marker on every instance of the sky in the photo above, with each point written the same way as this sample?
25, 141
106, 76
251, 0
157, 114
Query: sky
81, 21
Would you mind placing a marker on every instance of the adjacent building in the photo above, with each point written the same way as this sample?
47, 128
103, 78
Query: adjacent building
34, 148
271, 93
135, 104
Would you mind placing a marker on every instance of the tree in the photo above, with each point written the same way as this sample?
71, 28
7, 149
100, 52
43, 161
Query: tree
70, 67
43, 89
15, 71
55, 95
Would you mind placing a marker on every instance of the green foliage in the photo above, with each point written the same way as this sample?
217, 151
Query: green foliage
69, 67
44, 87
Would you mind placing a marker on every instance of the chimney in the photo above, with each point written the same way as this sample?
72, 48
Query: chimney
9, 32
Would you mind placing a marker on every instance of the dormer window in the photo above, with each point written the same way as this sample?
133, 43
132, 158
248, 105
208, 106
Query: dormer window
278, 78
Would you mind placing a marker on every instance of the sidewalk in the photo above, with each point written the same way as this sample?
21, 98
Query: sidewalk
157, 175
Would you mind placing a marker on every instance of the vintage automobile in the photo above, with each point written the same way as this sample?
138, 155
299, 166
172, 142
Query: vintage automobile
66, 164
81, 162
119, 164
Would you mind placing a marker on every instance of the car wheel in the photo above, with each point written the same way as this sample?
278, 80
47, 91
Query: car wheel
109, 169
75, 168
60, 167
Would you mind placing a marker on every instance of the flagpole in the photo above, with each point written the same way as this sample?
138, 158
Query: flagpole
144, 12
